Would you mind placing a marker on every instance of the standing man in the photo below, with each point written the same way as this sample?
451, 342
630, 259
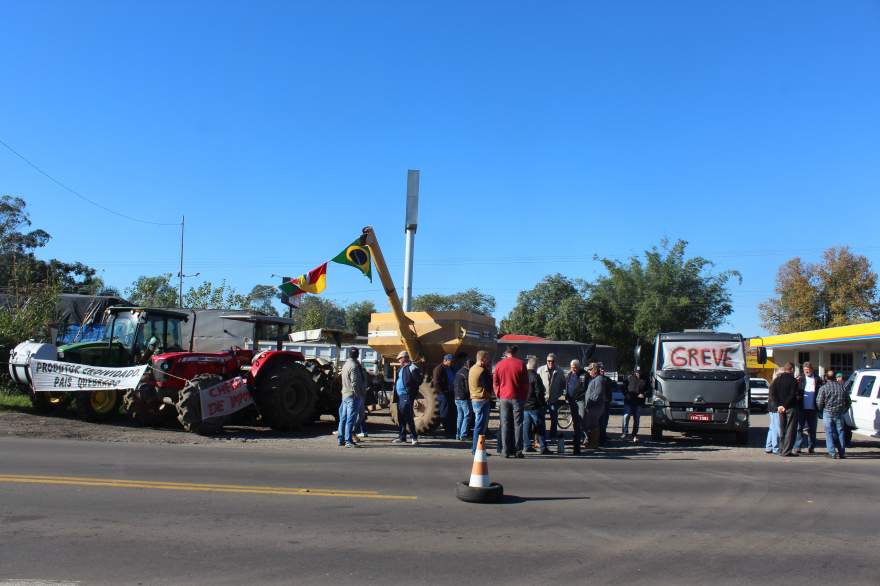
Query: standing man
353, 392
409, 377
442, 381
785, 395
808, 383
462, 400
511, 383
533, 420
771, 446
575, 390
608, 388
553, 380
633, 400
595, 399
480, 385
833, 401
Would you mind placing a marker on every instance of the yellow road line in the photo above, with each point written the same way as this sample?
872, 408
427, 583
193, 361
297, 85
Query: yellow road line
193, 487
186, 484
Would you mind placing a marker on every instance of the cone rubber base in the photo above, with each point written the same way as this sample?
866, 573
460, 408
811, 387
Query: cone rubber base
474, 494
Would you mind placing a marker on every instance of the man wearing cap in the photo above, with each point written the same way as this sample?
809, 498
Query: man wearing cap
511, 383
353, 390
409, 377
595, 400
553, 380
443, 382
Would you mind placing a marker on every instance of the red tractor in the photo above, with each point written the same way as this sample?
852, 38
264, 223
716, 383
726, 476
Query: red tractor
282, 385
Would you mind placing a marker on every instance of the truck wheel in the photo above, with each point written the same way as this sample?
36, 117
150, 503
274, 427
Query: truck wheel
426, 410
742, 437
285, 395
328, 387
97, 405
141, 405
189, 406
656, 431
49, 403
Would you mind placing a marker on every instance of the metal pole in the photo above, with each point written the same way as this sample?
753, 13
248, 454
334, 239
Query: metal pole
409, 226
407, 269
180, 274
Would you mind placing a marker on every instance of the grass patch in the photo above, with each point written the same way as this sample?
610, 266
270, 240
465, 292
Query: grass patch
14, 401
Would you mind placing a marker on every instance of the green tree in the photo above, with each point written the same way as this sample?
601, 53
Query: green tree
315, 312
261, 299
357, 316
664, 292
840, 290
153, 291
18, 263
468, 300
222, 296
555, 308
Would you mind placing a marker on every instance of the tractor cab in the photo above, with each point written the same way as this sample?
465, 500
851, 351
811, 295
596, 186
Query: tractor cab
264, 328
132, 336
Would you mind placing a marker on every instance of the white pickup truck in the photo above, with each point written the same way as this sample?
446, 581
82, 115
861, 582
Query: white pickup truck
759, 393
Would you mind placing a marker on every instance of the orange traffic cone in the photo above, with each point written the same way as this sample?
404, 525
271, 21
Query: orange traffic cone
480, 471
479, 489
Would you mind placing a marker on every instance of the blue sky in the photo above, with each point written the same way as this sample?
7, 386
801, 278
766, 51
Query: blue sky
546, 132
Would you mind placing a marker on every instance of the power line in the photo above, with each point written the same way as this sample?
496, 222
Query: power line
81, 196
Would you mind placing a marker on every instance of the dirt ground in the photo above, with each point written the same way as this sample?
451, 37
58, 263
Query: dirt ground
22, 423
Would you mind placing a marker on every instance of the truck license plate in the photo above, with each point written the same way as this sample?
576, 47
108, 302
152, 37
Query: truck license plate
700, 416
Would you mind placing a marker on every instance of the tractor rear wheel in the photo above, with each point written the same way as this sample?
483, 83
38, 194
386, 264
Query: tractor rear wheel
189, 406
285, 395
97, 405
426, 410
142, 404
49, 403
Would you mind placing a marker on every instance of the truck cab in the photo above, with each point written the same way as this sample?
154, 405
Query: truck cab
700, 384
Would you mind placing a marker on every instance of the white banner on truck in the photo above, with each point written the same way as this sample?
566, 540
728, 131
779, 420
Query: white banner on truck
54, 376
705, 355
225, 398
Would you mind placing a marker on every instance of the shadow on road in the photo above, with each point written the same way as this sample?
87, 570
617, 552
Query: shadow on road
512, 499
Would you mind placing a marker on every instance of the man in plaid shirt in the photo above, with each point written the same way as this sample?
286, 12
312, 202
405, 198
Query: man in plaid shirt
833, 401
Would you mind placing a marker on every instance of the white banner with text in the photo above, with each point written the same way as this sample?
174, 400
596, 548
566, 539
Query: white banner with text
706, 355
53, 376
225, 398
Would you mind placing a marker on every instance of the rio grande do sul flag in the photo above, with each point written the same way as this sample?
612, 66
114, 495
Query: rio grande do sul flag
313, 282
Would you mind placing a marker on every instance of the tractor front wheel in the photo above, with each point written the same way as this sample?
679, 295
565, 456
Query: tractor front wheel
189, 406
49, 403
97, 405
142, 404
285, 395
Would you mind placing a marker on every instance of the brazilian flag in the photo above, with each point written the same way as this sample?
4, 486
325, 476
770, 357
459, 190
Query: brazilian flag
356, 255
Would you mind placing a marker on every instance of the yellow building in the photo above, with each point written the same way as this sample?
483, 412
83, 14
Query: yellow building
841, 349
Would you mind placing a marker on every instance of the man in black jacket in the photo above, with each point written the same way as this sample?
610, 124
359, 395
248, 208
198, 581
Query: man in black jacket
463, 410
576, 381
786, 396
533, 410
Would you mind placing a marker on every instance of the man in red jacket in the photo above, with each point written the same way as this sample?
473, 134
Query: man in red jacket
511, 383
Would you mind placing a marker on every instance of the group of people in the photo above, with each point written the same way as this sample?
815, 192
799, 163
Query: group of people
794, 405
526, 394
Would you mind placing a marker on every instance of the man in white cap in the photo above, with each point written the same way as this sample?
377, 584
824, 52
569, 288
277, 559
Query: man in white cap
409, 377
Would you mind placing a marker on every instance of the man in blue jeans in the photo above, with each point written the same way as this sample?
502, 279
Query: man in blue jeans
462, 400
480, 385
533, 410
409, 377
833, 401
353, 385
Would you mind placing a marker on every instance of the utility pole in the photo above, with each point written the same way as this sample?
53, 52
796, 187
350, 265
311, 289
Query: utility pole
180, 274
410, 225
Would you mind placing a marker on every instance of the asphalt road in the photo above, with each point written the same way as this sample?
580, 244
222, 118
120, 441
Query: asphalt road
110, 513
